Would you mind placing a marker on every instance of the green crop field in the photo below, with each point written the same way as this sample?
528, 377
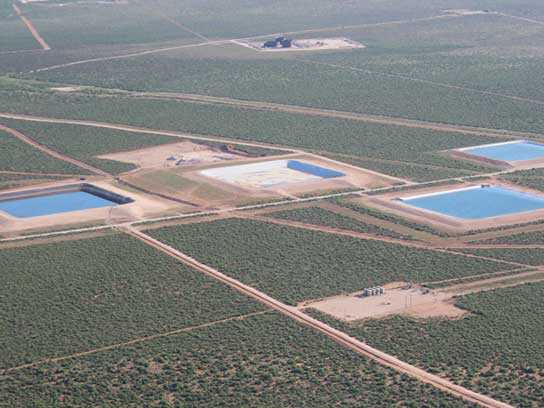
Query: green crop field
76, 295
16, 155
451, 70
77, 24
344, 89
74, 24
9, 180
259, 361
533, 178
525, 238
293, 265
526, 256
320, 216
443, 168
15, 36
494, 350
84, 143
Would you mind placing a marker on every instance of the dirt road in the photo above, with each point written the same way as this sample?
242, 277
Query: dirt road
31, 28
336, 335
494, 283
52, 152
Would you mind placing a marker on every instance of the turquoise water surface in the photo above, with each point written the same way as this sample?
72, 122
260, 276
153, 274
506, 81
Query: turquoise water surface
478, 203
313, 169
518, 151
53, 204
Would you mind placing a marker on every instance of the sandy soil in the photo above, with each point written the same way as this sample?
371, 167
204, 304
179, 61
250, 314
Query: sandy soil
308, 44
467, 12
171, 155
179, 184
402, 299
67, 88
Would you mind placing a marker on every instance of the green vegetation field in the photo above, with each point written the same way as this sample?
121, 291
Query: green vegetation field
72, 296
16, 155
439, 70
536, 237
293, 265
15, 36
533, 178
495, 350
527, 256
320, 216
84, 143
265, 361
77, 24
361, 208
396, 148
8, 180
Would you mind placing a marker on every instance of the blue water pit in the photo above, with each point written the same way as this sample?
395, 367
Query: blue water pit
478, 202
519, 150
37, 203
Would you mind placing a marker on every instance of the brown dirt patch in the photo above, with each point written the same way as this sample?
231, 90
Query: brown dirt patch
308, 44
404, 300
171, 155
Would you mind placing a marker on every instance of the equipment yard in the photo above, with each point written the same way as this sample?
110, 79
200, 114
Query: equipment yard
171, 155
415, 302
306, 44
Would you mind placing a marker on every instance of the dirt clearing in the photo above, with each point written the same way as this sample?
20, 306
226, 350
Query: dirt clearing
172, 155
402, 299
308, 44
67, 88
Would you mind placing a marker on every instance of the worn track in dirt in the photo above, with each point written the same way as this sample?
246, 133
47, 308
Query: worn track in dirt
31, 28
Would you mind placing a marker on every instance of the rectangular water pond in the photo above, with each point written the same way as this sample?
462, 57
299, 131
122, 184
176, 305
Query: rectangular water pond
271, 173
313, 169
39, 203
519, 150
475, 203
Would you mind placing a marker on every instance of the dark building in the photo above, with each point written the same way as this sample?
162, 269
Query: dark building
281, 41
270, 44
